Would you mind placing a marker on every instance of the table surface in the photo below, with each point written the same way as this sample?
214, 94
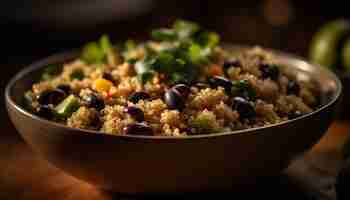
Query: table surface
26, 176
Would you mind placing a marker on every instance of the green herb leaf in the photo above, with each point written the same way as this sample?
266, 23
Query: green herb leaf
164, 34
208, 39
185, 29
198, 55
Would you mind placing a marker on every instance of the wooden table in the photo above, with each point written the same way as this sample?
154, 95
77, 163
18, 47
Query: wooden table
25, 176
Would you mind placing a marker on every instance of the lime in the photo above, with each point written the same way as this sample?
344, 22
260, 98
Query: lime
324, 44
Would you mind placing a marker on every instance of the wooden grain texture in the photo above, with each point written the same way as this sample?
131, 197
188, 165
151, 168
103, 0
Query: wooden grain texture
25, 176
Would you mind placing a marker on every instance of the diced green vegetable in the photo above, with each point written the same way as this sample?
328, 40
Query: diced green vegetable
93, 54
50, 72
164, 34
67, 107
244, 89
77, 74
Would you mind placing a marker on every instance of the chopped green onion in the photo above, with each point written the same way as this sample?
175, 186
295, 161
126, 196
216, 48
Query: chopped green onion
164, 34
67, 107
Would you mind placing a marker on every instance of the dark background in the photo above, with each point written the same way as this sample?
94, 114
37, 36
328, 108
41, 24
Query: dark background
31, 30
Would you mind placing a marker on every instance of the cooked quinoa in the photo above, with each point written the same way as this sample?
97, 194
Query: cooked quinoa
179, 83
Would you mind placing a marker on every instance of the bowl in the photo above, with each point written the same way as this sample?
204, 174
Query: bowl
148, 164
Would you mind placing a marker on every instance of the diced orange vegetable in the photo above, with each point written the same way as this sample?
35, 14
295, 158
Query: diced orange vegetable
102, 85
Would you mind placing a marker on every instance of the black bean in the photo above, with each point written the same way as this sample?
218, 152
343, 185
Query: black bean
201, 85
137, 129
269, 71
243, 107
189, 131
135, 113
294, 115
96, 122
94, 101
231, 63
108, 76
182, 89
174, 100
51, 97
293, 88
45, 111
217, 81
137, 96
66, 88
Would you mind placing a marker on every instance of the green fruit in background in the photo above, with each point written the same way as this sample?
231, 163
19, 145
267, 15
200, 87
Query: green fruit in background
324, 44
345, 55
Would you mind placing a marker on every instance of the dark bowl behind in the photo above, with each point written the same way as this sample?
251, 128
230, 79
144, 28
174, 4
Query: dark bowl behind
163, 164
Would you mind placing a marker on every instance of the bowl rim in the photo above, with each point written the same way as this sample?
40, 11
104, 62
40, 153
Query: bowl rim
61, 57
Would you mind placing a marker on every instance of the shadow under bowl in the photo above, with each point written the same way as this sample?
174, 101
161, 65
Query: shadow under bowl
134, 164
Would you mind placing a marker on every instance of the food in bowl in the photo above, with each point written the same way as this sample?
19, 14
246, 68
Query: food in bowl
179, 83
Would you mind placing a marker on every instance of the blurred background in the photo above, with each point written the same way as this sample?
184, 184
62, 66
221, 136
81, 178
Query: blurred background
33, 29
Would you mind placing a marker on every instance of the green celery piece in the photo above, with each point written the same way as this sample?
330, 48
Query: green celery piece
67, 107
92, 53
164, 34
185, 29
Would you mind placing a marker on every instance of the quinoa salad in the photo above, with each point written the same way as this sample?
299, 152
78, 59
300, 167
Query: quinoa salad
178, 83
